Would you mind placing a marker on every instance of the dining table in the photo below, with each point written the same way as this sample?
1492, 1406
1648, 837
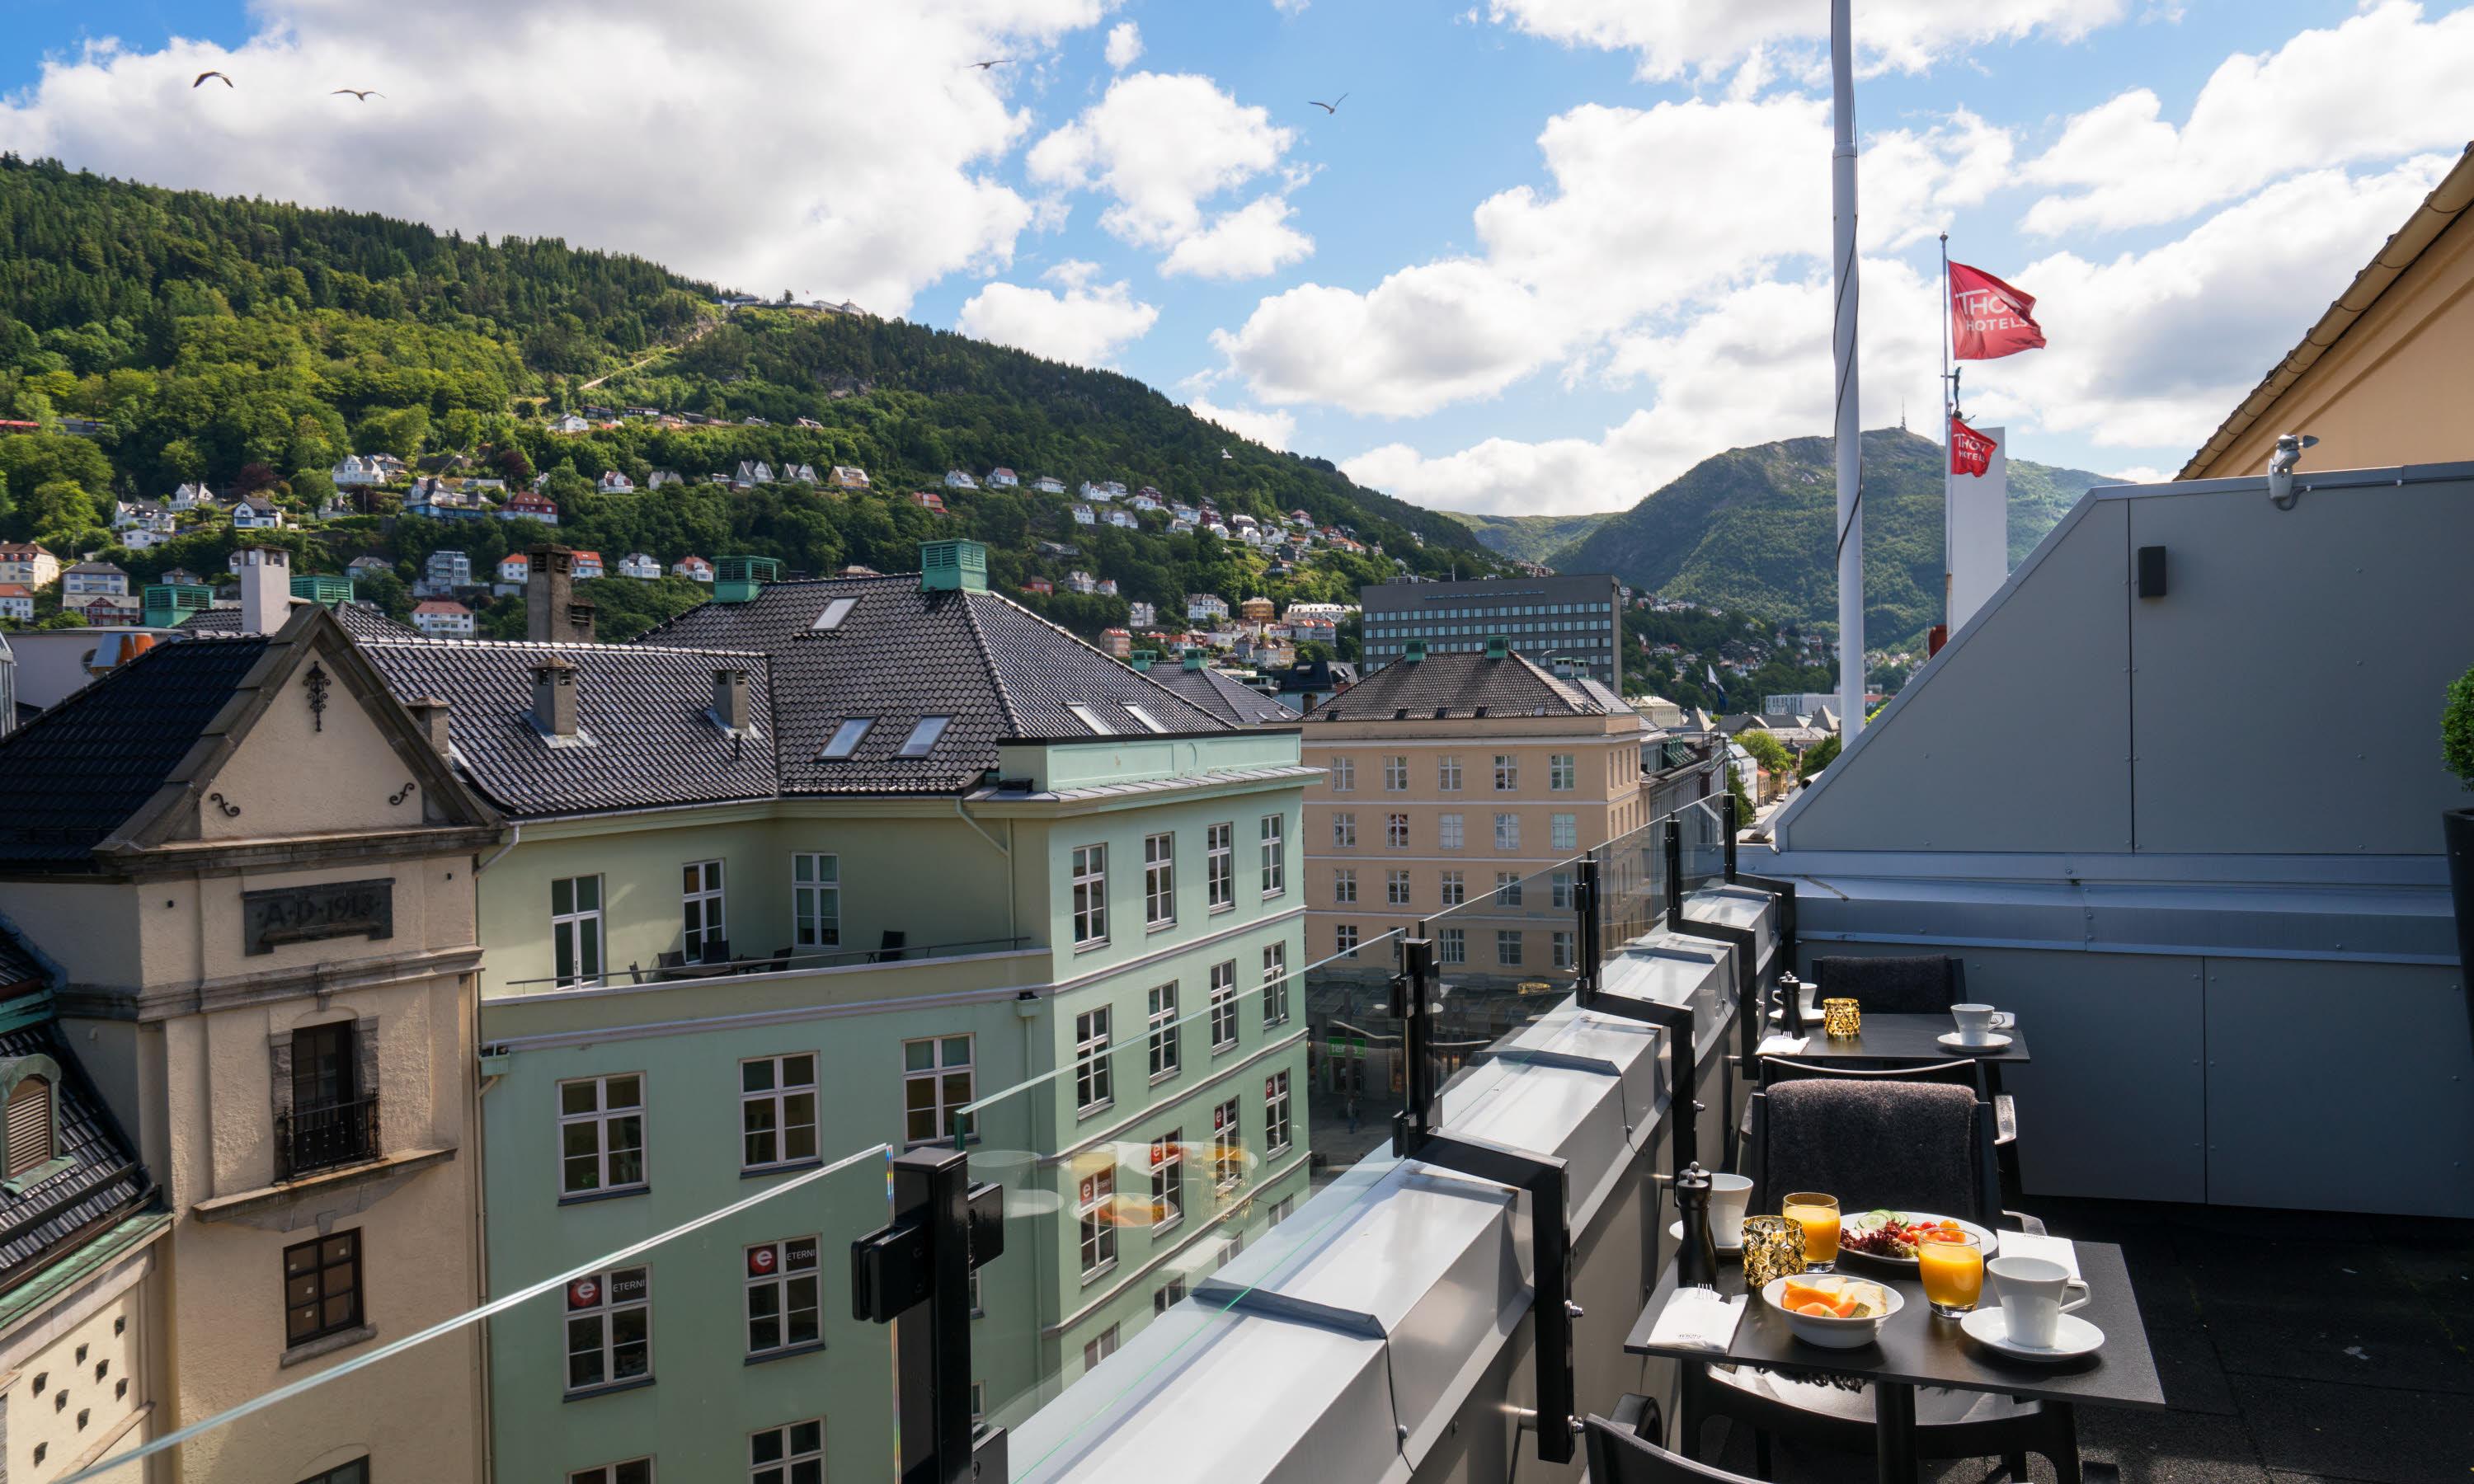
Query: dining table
1917, 1348
1905, 1039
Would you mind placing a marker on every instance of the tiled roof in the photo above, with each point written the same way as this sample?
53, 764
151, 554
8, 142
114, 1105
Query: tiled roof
72, 775
360, 620
1460, 684
101, 1179
900, 654
18, 968
1221, 695
643, 708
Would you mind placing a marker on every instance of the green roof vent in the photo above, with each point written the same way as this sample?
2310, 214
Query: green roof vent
1144, 658
168, 603
324, 588
1194, 655
1413, 650
952, 566
1497, 646
740, 579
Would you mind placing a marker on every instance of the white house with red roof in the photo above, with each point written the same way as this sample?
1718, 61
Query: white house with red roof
613, 482
927, 499
515, 569
530, 507
587, 564
17, 602
443, 618
694, 567
641, 567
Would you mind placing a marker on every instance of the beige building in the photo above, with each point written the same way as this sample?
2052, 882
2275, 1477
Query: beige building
2385, 376
252, 877
28, 565
1457, 790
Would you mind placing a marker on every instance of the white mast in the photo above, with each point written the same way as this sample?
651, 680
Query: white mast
1848, 429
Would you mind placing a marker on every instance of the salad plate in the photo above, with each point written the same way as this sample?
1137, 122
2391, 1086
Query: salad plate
1890, 1237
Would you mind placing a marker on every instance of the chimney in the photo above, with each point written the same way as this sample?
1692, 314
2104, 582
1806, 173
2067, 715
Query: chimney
952, 566
1413, 650
1194, 657
554, 697
1564, 666
1142, 659
551, 614
1497, 646
265, 588
429, 713
730, 700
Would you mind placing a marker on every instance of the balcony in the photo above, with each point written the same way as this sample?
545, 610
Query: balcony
326, 1136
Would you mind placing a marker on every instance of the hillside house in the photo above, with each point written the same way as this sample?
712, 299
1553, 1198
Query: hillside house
751, 474
640, 566
1149, 500
28, 565
569, 423
1179, 526
514, 571
443, 573
585, 565
959, 479
89, 582
357, 472
927, 499
1255, 610
1082, 583
1104, 492
1047, 484
1203, 606
810, 423
1218, 530
143, 540
1117, 642
1142, 615
17, 603
1106, 588
438, 500
800, 473
693, 568
530, 507
132, 514
1039, 585
639, 412
1059, 550
846, 477
613, 482
187, 495
443, 618
256, 513
662, 476
1083, 515
1124, 521
1004, 478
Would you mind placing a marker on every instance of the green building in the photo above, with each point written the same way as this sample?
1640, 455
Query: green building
808, 871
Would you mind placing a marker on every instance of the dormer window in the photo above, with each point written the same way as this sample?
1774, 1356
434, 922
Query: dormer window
846, 739
923, 736
29, 1126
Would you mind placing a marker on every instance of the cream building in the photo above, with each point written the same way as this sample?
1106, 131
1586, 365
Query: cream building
254, 878
1457, 789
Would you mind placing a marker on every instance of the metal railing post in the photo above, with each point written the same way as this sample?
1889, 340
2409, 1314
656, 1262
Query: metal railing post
1671, 841
1728, 822
915, 1275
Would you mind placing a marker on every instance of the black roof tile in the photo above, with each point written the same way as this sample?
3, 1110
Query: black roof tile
1460, 684
1223, 695
360, 620
19, 969
103, 1180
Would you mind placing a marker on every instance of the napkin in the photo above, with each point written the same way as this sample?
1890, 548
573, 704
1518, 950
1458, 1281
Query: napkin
1698, 1319
1782, 1045
2052, 1248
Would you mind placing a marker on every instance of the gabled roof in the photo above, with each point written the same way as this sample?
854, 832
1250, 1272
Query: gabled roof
901, 653
360, 620
1221, 695
101, 1179
1460, 684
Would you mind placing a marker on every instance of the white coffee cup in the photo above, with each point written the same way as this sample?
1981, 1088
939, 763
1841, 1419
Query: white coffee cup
2031, 1290
1730, 1196
1976, 1023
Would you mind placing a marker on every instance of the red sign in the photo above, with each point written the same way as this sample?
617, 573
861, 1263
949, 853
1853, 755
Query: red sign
1970, 452
1988, 317
583, 1293
760, 1260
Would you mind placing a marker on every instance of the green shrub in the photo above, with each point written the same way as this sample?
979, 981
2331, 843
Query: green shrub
2457, 729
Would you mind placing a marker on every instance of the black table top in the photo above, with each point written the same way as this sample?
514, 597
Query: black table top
1918, 1347
1896, 1037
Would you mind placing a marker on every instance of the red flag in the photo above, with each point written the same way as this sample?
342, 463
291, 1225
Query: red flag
1988, 317
1970, 452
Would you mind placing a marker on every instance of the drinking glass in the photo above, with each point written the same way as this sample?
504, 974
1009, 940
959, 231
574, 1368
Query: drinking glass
1952, 1270
1773, 1248
1818, 1215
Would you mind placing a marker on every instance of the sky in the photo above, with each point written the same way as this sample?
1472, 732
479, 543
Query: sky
1543, 257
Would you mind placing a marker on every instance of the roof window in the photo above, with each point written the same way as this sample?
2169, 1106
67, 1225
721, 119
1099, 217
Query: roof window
1091, 719
923, 736
846, 739
1148, 720
832, 618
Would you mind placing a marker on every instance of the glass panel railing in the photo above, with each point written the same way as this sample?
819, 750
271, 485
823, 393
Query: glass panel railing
1631, 883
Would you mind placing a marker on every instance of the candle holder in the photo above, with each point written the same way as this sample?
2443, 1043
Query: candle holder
1773, 1248
1841, 1019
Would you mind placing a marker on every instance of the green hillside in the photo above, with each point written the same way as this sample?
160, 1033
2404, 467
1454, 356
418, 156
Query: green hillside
1528, 537
155, 337
1753, 530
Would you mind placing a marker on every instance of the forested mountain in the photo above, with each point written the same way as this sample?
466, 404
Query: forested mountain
1529, 537
157, 337
1753, 531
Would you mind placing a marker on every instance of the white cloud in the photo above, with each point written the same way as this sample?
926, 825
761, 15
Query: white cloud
1289, 7
1246, 243
538, 131
2383, 85
1677, 36
1125, 44
1161, 145
1274, 430
1086, 325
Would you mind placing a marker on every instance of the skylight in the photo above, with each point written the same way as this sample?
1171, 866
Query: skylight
846, 739
1144, 717
1091, 719
923, 738
835, 612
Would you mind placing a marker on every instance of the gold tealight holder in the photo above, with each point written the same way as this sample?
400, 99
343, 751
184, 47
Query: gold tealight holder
1841, 1019
1773, 1248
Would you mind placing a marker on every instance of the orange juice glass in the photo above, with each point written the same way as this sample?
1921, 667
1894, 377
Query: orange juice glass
1952, 1270
1818, 1215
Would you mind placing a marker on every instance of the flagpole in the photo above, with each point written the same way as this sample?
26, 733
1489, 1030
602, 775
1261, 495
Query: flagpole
1948, 411
1848, 431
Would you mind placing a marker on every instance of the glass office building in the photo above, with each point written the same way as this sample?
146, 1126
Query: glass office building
1580, 618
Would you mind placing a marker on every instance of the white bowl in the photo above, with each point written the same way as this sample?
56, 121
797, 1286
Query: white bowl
1830, 1332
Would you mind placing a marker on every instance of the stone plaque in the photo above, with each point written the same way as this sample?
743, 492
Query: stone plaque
301, 914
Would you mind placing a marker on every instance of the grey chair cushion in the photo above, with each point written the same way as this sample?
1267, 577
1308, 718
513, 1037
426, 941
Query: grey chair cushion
1920, 984
1906, 1145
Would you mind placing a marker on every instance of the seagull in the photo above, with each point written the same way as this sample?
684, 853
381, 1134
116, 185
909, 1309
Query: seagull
203, 76
364, 94
1332, 107
985, 65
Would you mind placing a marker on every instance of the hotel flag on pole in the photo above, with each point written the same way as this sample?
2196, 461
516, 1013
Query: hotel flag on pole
1970, 452
1988, 317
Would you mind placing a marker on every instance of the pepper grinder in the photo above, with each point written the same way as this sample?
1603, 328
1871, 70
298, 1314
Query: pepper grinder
1696, 1261
1791, 1001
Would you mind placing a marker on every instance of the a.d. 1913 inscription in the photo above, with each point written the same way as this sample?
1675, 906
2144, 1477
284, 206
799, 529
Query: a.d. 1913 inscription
301, 914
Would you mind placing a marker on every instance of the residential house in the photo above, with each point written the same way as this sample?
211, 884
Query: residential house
436, 499
588, 564
335, 507
751, 474
1101, 493
1141, 614
928, 500
1179, 526
640, 565
355, 472
480, 483
1084, 516
515, 569
443, 573
1182, 511
800, 473
1123, 520
615, 482
846, 477
1082, 581
530, 507
256, 513
959, 479
16, 601
264, 1090
1048, 485
1004, 478
1217, 529
28, 565
1039, 584
443, 618
187, 496
1117, 642
1105, 587
662, 476
1203, 606
89, 582
357, 568
569, 423
139, 515
1147, 499
1255, 612
694, 567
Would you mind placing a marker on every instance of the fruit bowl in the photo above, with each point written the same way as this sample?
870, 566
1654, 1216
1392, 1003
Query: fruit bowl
1833, 1311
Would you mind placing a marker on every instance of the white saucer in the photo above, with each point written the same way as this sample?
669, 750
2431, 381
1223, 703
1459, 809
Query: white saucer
1994, 1040
2072, 1337
1675, 1230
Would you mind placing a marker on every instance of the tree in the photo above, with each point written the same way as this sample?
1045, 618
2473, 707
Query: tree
1821, 756
254, 477
1743, 800
1766, 749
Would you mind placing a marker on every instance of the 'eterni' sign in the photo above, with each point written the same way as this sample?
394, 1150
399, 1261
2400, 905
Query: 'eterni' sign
302, 914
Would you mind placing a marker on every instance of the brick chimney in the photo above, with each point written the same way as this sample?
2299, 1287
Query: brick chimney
429, 713
265, 588
554, 697
730, 700
551, 614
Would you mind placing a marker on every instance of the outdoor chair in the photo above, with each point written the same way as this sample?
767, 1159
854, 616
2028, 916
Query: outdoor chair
1624, 1450
1924, 984
669, 963
717, 953
889, 949
780, 961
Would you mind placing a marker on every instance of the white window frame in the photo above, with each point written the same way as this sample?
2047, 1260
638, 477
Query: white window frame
937, 1076
1396, 773
1562, 774
780, 1096
706, 900
1451, 946
1159, 881
1507, 772
1450, 830
1507, 832
1507, 946
1168, 1181
1167, 1045
1095, 1083
1561, 952
815, 900
608, 1474
1343, 886
1220, 865
779, 1469
1345, 940
1562, 831
1276, 1107
1447, 773
1454, 888
1095, 1219
1227, 1148
603, 1315
1395, 831
1275, 854
1396, 888
1100, 1346
1343, 775
581, 929
1090, 895
1507, 889
1344, 831
599, 1118
1223, 1007
769, 1274
1275, 983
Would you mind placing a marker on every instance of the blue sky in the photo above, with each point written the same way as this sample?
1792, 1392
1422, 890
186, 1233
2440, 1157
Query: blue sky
1547, 255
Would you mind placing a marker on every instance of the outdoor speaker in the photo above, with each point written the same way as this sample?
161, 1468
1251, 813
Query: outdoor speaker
2151, 571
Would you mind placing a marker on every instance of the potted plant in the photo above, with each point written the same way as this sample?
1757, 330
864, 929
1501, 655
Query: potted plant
2457, 750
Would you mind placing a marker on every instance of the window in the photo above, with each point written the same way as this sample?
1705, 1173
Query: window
1344, 831
1395, 831
1343, 940
1560, 773
792, 1453
29, 1125
834, 613
1094, 1201
1564, 831
784, 1300
609, 1329
1100, 1348
1224, 1006
1168, 1180
1562, 950
1343, 885
1275, 854
1507, 832
1092, 1083
1090, 894
1343, 775
923, 736
1276, 1114
1159, 881
1091, 719
1559, 888
322, 1287
935, 1086
1448, 831
1455, 888
1447, 774
1166, 1049
1507, 946
575, 930
601, 1134
1283, 1209
1451, 946
700, 894
357, 1472
1168, 1296
1507, 772
1507, 889
1149, 721
1396, 888
635, 1470
846, 739
1275, 983
1219, 866
1227, 1154
815, 900
777, 1109
1395, 775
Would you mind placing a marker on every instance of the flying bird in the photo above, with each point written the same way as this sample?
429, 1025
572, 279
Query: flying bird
1332, 107
203, 76
985, 65
364, 94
